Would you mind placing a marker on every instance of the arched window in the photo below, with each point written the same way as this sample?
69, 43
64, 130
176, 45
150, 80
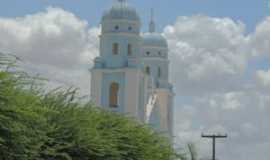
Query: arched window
114, 89
115, 49
147, 70
129, 49
159, 72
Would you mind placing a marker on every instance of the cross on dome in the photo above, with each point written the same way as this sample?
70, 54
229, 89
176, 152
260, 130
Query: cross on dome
152, 25
121, 1
152, 14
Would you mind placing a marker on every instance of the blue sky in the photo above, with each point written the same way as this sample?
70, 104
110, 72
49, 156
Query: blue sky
248, 11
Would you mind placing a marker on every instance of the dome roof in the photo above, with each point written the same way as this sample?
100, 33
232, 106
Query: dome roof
154, 40
121, 10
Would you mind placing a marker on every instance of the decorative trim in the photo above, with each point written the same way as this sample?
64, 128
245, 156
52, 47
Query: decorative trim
121, 21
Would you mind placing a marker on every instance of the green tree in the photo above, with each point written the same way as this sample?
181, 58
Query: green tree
56, 125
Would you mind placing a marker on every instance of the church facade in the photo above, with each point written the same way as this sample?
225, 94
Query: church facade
130, 75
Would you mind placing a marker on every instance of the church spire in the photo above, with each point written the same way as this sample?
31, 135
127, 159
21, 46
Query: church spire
122, 1
152, 25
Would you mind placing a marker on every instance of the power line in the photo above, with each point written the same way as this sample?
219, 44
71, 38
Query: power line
214, 137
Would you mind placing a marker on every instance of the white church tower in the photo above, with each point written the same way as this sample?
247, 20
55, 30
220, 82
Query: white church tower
131, 74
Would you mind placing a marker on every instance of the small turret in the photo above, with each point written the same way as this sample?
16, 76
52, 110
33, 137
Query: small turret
155, 55
154, 41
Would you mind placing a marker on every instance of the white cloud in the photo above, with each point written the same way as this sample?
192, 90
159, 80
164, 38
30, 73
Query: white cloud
55, 43
209, 63
227, 101
207, 54
209, 59
259, 40
246, 125
263, 78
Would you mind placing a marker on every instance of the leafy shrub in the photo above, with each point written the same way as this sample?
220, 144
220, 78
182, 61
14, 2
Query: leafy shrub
55, 125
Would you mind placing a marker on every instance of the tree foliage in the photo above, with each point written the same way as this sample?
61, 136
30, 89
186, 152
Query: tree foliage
55, 125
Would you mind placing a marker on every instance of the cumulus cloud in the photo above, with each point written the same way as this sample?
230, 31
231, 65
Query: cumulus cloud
263, 78
205, 49
210, 68
243, 123
259, 41
55, 43
209, 62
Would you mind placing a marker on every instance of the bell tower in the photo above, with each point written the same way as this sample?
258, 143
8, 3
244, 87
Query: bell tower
131, 74
118, 82
156, 64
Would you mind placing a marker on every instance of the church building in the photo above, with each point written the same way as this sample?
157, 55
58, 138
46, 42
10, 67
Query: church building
131, 74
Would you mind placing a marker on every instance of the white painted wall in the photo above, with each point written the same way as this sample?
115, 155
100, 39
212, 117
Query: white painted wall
96, 86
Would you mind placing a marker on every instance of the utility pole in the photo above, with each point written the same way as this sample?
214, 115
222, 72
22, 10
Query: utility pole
214, 137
